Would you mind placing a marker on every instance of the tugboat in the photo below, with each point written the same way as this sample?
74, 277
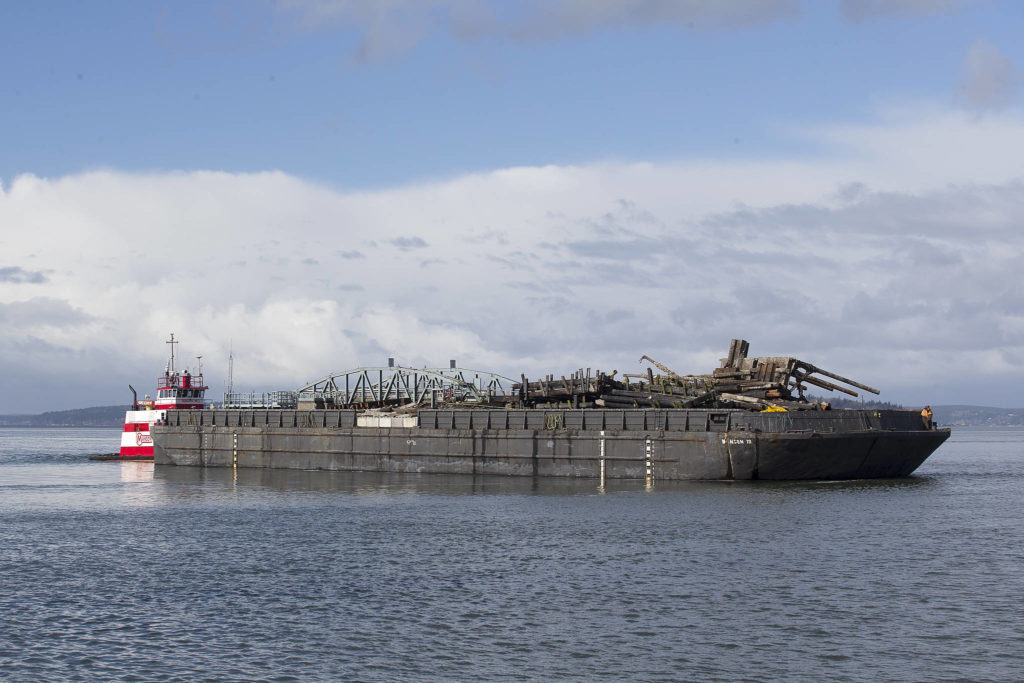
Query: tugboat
174, 391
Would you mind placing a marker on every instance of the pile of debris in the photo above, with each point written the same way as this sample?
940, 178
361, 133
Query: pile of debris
766, 383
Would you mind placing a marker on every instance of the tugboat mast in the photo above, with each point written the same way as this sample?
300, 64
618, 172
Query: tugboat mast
172, 343
231, 368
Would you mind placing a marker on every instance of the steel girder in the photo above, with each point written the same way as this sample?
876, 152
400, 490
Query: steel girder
384, 385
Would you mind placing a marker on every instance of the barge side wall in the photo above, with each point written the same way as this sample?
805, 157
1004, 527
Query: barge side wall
660, 444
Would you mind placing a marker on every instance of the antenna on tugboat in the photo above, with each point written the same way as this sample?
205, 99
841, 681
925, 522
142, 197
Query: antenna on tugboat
172, 343
231, 367
199, 371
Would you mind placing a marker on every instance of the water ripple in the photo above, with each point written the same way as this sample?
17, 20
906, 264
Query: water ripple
208, 574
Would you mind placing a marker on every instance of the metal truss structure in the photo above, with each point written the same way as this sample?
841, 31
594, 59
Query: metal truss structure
396, 385
261, 400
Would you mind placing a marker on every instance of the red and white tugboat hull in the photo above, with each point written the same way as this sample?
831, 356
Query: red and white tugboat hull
175, 391
136, 442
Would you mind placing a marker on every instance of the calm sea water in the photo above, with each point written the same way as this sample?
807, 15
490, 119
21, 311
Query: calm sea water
126, 571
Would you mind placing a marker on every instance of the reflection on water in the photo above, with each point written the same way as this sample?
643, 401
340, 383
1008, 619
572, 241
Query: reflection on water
112, 485
133, 472
210, 481
378, 483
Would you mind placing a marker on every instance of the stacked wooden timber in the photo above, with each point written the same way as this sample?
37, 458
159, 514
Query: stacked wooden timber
770, 382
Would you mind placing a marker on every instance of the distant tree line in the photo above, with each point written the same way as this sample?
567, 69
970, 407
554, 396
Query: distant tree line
99, 416
967, 416
855, 403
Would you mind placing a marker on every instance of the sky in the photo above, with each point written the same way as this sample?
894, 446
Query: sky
523, 186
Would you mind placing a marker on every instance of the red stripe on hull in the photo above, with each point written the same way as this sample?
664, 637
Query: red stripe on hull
137, 451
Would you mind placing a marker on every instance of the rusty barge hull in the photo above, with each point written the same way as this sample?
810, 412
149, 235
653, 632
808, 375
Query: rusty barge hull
672, 444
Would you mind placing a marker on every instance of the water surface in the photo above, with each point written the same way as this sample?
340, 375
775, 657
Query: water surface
126, 571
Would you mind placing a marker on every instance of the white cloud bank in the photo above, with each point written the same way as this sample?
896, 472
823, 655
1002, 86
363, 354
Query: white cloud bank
892, 258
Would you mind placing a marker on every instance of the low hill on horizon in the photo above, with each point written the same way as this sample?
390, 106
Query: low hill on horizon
978, 416
952, 415
97, 416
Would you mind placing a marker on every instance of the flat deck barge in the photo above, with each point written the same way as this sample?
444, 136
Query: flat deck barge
656, 444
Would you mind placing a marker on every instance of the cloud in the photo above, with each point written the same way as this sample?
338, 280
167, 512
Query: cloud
41, 312
888, 255
407, 243
387, 29
19, 275
990, 81
552, 20
864, 10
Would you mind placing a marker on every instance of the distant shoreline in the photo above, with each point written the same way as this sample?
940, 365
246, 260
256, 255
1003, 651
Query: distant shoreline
60, 426
96, 416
